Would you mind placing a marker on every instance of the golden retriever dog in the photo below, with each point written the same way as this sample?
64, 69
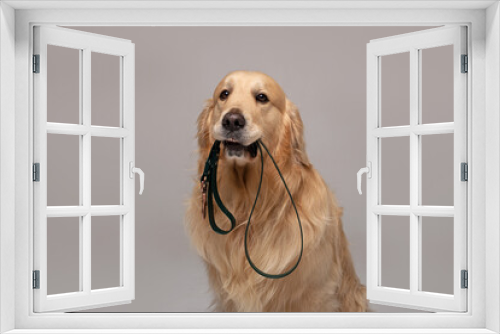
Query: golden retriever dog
248, 106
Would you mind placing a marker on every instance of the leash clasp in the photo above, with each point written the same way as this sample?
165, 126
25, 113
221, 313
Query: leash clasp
204, 189
210, 166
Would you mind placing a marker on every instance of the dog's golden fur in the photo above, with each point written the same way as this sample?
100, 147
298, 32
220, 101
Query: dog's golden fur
325, 280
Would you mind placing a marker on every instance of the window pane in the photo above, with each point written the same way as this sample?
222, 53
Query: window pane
105, 89
437, 169
437, 84
105, 171
395, 170
437, 254
105, 252
395, 240
395, 89
63, 85
63, 255
63, 170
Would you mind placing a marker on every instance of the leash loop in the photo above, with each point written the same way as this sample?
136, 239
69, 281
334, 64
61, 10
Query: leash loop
210, 174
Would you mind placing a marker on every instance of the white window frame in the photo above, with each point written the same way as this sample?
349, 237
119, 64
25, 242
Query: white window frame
414, 44
17, 19
124, 51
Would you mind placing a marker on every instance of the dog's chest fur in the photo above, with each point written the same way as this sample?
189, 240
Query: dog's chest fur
274, 245
228, 267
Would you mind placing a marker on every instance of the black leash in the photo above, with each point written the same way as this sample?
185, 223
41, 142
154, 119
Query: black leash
210, 176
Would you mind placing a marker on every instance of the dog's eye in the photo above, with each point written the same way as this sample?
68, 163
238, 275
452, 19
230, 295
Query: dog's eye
224, 94
262, 98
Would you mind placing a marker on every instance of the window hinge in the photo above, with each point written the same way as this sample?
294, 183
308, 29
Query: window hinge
36, 279
36, 172
465, 64
465, 279
36, 63
464, 172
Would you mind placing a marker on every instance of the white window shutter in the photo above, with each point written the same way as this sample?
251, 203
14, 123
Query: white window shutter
86, 43
414, 297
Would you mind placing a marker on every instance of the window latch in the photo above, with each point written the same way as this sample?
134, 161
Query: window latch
368, 171
134, 170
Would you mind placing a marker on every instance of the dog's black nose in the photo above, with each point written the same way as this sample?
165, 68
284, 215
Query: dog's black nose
233, 121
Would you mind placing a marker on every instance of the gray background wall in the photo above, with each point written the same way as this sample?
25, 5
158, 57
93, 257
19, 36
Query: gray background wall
322, 70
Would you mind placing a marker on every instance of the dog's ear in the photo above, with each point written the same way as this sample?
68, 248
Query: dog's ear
297, 134
203, 134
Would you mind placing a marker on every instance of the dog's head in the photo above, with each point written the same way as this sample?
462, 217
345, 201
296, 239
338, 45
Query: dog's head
248, 106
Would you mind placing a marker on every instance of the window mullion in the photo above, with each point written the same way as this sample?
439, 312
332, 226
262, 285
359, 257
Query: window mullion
122, 171
414, 171
81, 169
418, 118
85, 241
